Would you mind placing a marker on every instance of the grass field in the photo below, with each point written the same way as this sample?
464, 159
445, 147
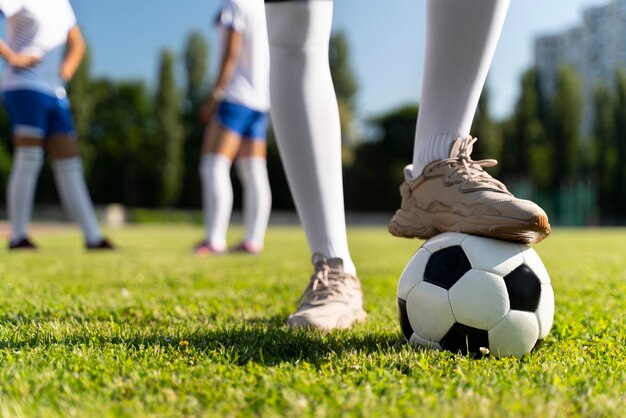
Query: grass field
153, 331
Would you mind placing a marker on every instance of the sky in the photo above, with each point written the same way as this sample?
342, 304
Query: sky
386, 40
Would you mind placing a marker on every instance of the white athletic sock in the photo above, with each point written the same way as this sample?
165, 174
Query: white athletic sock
257, 198
461, 38
217, 198
306, 121
27, 164
70, 181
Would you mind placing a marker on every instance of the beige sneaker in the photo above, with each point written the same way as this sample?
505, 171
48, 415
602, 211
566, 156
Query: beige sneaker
332, 300
457, 195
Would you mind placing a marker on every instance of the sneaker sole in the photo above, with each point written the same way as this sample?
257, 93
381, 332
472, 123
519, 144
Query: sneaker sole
344, 322
413, 224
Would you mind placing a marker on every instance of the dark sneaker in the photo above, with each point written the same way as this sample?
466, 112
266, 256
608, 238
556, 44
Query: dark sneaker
332, 300
457, 195
245, 247
204, 248
103, 244
22, 244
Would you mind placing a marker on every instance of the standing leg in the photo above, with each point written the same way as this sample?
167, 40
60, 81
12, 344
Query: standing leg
27, 112
306, 123
67, 168
27, 164
257, 197
219, 149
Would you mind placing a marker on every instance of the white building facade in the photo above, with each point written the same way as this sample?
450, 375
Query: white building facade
596, 49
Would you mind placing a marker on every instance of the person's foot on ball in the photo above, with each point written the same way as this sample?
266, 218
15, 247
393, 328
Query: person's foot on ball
457, 195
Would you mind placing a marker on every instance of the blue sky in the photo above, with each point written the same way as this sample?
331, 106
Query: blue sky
386, 40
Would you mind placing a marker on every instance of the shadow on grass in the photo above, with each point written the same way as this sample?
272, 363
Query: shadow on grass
275, 344
259, 340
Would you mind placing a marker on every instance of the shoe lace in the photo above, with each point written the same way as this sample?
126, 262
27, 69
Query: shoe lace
326, 283
469, 169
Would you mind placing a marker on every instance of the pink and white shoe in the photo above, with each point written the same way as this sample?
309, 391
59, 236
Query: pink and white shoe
246, 247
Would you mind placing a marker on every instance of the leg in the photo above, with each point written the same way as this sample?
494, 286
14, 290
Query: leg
460, 42
306, 123
444, 189
27, 163
257, 196
219, 148
27, 112
67, 167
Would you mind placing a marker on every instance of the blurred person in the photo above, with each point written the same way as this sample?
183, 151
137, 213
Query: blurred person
44, 49
235, 114
445, 190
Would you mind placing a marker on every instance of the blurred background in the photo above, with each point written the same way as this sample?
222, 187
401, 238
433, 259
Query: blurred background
553, 111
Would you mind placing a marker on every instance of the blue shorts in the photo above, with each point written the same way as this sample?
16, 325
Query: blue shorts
249, 123
37, 115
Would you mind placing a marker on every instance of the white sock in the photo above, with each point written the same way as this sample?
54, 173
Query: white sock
217, 198
461, 38
257, 198
306, 121
70, 181
27, 164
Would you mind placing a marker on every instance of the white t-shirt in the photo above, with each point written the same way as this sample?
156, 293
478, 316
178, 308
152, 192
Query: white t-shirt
38, 27
250, 83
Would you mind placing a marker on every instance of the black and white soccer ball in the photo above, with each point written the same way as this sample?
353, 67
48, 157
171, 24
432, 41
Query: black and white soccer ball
471, 294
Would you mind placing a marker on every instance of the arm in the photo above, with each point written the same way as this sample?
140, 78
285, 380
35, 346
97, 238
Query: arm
74, 53
230, 57
17, 60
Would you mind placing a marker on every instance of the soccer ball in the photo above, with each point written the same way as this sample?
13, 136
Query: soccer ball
477, 295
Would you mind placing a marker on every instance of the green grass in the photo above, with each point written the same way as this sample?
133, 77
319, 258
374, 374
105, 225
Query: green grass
154, 331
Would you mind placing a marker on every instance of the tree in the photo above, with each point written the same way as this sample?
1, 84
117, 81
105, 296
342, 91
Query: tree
565, 121
377, 171
83, 102
525, 153
125, 168
487, 131
564, 133
619, 170
603, 141
5, 153
196, 63
345, 83
169, 129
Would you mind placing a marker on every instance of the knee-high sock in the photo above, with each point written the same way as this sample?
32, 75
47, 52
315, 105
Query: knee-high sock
306, 120
217, 198
461, 39
70, 181
27, 164
257, 198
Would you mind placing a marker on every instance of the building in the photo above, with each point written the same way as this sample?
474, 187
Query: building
595, 49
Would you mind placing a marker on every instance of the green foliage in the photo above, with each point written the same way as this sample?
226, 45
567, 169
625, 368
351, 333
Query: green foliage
619, 174
170, 131
5, 152
281, 195
564, 129
153, 331
377, 172
603, 141
196, 64
83, 102
126, 166
526, 152
488, 131
345, 82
